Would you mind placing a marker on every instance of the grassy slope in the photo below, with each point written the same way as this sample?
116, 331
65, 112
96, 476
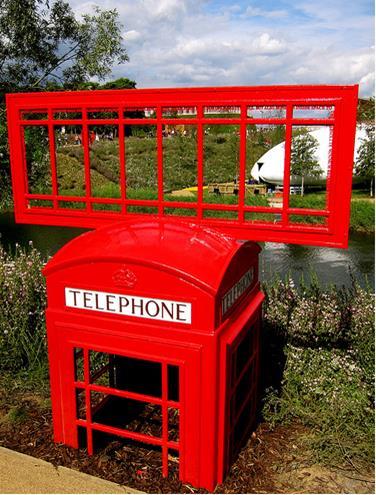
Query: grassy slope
180, 171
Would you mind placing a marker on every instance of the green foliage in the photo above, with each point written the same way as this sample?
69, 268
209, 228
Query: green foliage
5, 188
42, 41
17, 414
362, 216
309, 200
324, 390
38, 159
180, 159
366, 110
303, 160
121, 83
43, 46
98, 46
22, 302
327, 367
365, 163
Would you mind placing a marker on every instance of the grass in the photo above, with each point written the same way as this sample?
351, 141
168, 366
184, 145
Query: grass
180, 170
221, 159
363, 216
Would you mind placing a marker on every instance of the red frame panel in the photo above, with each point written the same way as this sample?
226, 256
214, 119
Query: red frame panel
342, 121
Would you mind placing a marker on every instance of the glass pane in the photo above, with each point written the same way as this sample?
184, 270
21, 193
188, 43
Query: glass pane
243, 424
67, 114
258, 217
142, 210
264, 112
38, 164
75, 205
220, 214
308, 112
70, 160
264, 169
180, 162
141, 161
104, 161
221, 165
179, 112
114, 208
139, 113
309, 220
181, 212
40, 203
34, 115
219, 112
311, 150
244, 387
102, 113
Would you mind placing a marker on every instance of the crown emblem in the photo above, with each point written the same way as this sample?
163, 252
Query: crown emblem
124, 277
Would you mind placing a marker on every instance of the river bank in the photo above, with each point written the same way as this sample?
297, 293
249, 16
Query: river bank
329, 265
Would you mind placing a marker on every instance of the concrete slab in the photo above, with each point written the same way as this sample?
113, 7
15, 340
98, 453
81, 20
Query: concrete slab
20, 473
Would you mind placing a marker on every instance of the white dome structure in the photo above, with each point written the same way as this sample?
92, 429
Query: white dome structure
270, 166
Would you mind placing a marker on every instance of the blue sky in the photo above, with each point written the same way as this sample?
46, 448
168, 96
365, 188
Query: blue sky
218, 42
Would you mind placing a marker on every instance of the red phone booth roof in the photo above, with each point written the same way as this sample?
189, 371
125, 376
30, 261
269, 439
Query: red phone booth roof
193, 252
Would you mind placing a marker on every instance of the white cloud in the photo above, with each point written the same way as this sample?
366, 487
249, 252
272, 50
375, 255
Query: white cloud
367, 84
266, 44
131, 35
198, 42
269, 14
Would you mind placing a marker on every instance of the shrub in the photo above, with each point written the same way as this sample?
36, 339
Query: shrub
323, 389
326, 375
22, 302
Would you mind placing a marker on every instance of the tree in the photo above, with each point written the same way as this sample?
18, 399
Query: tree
44, 47
303, 159
365, 163
366, 110
42, 41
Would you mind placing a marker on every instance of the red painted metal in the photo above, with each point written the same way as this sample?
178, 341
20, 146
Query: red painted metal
342, 121
168, 300
160, 259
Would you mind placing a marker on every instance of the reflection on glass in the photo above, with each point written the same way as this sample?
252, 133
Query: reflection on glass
180, 162
141, 161
38, 165
311, 150
104, 161
221, 164
70, 160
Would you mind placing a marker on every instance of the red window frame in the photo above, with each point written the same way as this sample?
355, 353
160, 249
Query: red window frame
342, 120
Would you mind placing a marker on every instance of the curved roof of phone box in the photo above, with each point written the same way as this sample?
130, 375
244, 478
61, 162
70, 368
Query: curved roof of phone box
195, 253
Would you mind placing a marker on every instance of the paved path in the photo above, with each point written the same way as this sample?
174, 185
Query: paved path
20, 473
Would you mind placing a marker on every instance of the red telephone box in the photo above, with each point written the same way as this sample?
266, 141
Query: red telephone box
156, 315
175, 304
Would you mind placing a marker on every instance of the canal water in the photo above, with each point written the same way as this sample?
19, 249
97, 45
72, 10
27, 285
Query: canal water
332, 266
